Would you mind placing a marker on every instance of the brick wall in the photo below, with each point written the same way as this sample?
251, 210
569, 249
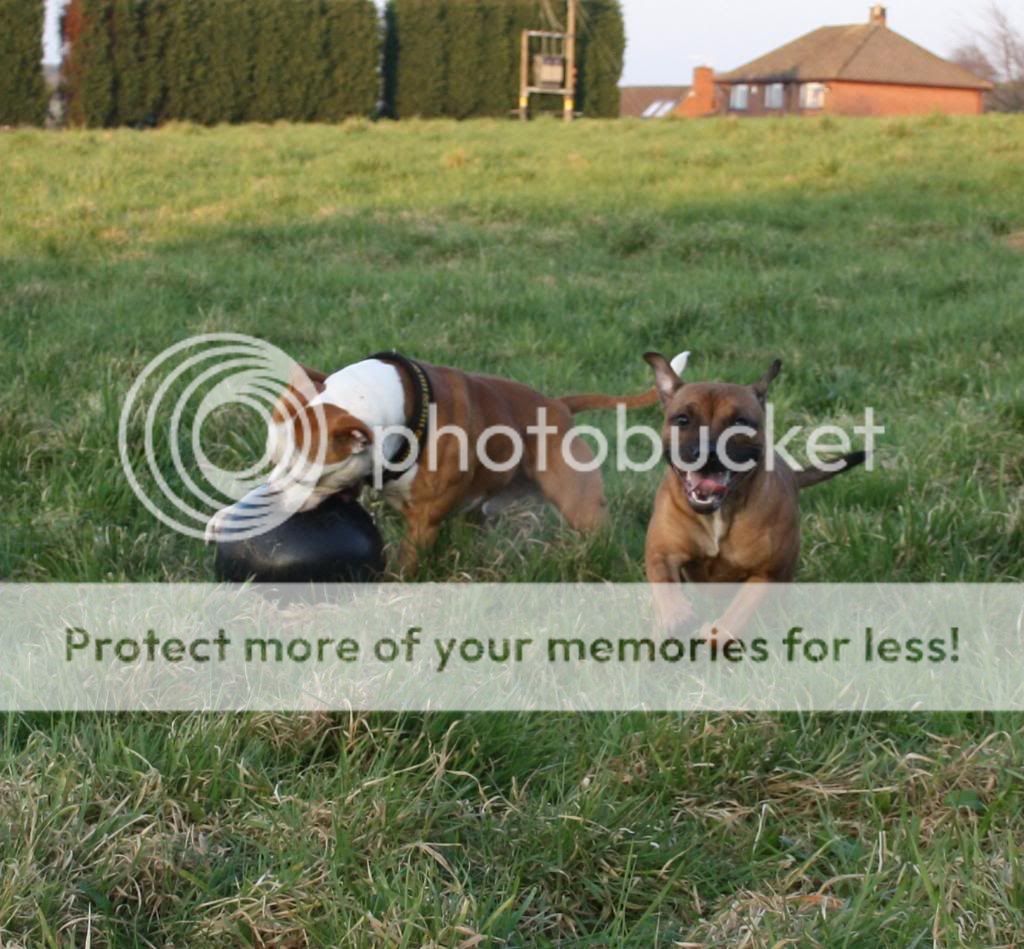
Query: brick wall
869, 98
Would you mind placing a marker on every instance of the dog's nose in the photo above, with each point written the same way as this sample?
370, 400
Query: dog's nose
692, 452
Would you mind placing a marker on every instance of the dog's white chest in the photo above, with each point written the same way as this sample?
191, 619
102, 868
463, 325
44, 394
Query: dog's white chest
715, 529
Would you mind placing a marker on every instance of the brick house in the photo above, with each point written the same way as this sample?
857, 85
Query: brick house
864, 69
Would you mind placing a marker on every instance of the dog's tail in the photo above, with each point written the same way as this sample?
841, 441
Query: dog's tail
812, 476
596, 400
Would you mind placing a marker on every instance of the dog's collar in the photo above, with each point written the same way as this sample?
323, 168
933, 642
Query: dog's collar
418, 419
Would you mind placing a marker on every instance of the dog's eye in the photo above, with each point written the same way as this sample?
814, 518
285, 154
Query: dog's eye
681, 420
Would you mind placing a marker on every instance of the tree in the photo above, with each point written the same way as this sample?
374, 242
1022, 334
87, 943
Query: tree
419, 49
128, 53
464, 26
972, 57
89, 68
603, 42
186, 60
351, 58
1000, 42
23, 93
498, 81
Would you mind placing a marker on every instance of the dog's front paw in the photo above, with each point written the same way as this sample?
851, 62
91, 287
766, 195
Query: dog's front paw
717, 632
673, 611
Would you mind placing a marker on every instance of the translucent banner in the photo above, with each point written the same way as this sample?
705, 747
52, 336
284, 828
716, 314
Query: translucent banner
511, 647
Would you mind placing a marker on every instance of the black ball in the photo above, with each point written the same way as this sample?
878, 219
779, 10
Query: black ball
336, 541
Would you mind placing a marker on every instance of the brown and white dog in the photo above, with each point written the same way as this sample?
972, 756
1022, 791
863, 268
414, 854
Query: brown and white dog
343, 415
722, 518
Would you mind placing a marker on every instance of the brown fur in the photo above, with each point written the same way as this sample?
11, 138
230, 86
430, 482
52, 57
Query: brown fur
473, 402
754, 536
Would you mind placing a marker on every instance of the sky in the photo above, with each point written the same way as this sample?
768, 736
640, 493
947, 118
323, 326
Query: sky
665, 39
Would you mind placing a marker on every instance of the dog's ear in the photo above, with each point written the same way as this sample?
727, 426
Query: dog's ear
761, 386
303, 386
305, 381
348, 435
665, 377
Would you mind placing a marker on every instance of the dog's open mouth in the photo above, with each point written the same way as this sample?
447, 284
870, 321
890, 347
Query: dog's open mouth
705, 490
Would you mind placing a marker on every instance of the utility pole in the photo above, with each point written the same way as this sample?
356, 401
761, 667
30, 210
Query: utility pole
569, 101
524, 76
547, 65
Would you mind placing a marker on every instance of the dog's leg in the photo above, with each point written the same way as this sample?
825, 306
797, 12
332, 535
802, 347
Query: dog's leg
420, 533
672, 608
577, 493
423, 517
737, 615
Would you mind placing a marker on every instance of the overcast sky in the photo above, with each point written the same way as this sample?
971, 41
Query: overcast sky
667, 38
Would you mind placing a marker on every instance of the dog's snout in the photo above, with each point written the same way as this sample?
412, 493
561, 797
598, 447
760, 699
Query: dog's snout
691, 452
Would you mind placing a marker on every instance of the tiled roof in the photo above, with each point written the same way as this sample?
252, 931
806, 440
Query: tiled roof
867, 52
650, 101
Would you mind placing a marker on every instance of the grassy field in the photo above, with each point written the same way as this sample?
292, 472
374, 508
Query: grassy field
877, 259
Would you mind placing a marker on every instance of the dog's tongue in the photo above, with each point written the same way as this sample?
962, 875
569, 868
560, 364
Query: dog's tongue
710, 485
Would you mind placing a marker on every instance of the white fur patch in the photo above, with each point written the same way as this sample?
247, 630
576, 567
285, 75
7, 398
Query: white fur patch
679, 362
371, 391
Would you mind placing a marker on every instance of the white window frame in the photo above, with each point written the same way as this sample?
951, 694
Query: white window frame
812, 95
739, 97
775, 95
658, 109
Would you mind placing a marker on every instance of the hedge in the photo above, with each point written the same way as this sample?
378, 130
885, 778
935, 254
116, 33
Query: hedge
23, 92
142, 62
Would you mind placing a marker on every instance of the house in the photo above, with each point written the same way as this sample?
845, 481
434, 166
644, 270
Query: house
863, 69
650, 102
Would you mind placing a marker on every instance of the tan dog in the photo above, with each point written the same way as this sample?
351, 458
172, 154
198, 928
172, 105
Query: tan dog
712, 521
349, 416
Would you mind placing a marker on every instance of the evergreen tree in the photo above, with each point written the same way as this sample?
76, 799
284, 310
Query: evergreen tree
420, 74
499, 59
603, 42
23, 92
185, 62
389, 64
271, 18
237, 64
90, 70
350, 51
464, 34
128, 53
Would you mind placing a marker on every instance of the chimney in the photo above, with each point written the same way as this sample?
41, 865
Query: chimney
701, 100
877, 15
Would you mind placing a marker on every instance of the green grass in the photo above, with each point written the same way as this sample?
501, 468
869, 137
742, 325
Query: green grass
870, 256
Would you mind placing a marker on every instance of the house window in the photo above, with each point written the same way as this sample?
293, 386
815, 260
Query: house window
774, 95
659, 108
739, 97
812, 95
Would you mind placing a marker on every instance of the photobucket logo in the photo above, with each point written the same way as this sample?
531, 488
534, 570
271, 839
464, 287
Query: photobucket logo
502, 448
210, 382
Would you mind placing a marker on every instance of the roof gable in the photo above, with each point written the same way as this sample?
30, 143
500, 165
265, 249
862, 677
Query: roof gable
860, 53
